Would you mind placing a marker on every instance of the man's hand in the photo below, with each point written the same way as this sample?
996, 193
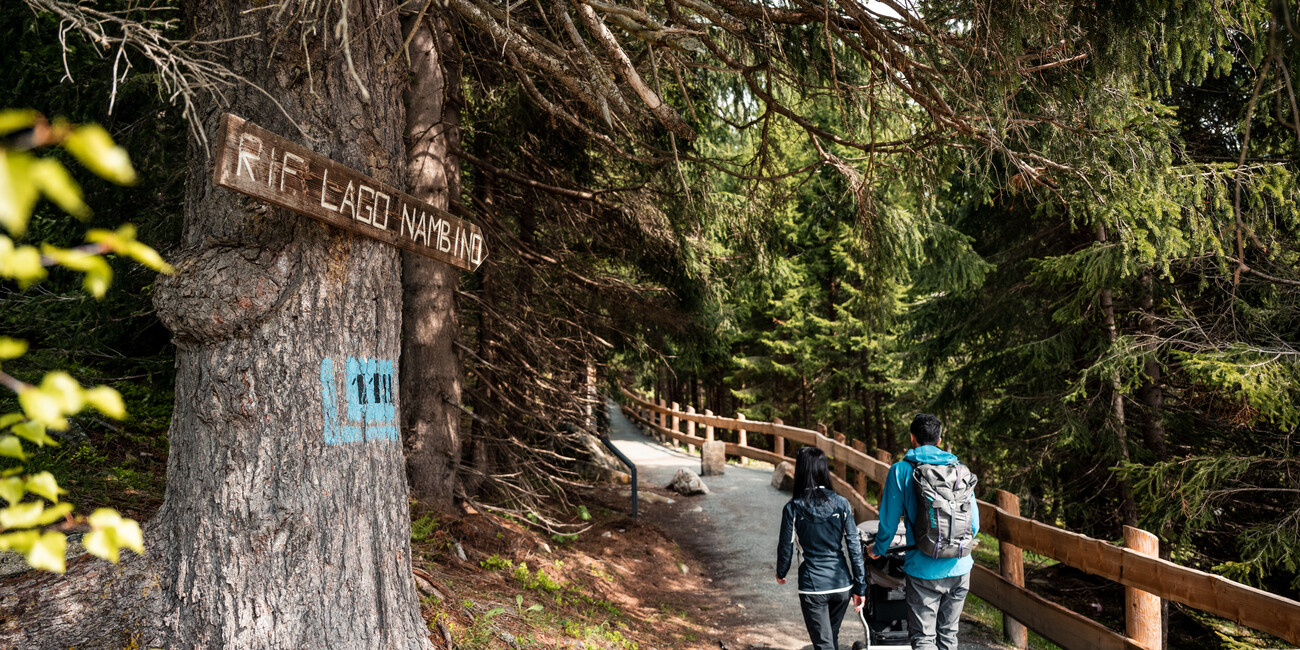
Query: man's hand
780, 580
871, 553
858, 602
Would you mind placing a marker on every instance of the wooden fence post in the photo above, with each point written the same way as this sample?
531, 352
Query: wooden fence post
708, 428
841, 467
659, 416
690, 424
884, 457
1142, 609
778, 443
740, 433
860, 477
677, 425
1011, 563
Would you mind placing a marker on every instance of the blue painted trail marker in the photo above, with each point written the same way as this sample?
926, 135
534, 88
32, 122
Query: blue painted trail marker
369, 388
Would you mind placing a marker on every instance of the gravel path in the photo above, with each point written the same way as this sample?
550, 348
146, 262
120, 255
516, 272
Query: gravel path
733, 531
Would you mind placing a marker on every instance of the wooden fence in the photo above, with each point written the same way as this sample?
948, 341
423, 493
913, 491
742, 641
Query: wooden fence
1146, 577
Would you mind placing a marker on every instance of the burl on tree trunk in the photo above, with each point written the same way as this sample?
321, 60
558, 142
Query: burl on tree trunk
285, 522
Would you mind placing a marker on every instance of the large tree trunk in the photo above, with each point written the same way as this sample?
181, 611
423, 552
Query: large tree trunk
430, 366
285, 522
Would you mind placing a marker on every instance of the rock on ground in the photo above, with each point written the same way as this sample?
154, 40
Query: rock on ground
687, 483
783, 477
713, 458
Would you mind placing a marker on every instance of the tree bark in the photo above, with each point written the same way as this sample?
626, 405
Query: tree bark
1151, 393
1127, 504
285, 522
430, 365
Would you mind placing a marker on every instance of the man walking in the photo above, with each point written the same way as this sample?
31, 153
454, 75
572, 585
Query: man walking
942, 529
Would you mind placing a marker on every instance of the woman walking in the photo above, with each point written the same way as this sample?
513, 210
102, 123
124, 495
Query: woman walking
822, 521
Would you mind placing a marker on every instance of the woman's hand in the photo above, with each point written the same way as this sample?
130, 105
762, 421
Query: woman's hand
858, 602
780, 580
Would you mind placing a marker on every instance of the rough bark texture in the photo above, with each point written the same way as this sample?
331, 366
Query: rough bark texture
430, 366
285, 522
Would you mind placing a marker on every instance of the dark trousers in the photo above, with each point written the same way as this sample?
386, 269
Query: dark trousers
822, 613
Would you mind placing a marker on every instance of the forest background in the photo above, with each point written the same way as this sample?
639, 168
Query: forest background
1077, 241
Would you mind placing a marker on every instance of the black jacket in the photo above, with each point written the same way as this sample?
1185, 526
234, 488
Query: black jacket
823, 526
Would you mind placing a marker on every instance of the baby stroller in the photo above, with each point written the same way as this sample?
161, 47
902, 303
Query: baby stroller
884, 617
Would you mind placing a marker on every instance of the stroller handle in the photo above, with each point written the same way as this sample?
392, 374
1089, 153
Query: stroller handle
909, 547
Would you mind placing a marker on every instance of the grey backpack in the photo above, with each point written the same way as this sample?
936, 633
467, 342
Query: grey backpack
944, 526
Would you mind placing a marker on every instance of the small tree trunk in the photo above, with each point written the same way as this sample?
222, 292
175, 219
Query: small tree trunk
1151, 393
1127, 506
431, 366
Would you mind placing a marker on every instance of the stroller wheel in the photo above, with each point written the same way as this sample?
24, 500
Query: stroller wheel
858, 645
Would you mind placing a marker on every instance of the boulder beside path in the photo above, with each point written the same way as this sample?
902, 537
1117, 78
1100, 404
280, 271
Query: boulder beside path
687, 483
783, 477
713, 458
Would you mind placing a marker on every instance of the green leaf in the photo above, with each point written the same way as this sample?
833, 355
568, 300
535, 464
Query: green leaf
42, 408
95, 149
130, 536
19, 541
104, 518
98, 277
101, 544
149, 257
17, 191
22, 515
111, 532
16, 119
45, 485
123, 241
54, 513
65, 390
12, 490
11, 349
49, 552
106, 401
54, 181
34, 432
12, 447
98, 273
24, 265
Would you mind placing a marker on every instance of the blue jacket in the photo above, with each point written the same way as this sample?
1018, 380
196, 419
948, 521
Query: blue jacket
900, 500
823, 527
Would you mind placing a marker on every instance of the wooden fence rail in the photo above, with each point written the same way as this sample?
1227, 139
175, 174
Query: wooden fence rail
1209, 593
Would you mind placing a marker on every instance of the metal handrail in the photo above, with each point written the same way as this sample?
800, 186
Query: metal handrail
631, 468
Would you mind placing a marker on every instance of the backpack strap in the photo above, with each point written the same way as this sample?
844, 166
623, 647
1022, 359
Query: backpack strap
910, 520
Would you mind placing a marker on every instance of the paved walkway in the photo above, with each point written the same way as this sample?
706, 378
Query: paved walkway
733, 530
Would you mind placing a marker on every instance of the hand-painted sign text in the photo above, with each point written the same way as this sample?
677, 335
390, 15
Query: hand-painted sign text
261, 164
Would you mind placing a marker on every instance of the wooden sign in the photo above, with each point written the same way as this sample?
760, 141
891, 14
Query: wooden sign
263, 165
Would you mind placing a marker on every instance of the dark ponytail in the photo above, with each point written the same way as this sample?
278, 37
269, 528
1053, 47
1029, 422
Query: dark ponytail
810, 473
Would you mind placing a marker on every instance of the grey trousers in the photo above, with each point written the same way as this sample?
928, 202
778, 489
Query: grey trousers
823, 613
933, 611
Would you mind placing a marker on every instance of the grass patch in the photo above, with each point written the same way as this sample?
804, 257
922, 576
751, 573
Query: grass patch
991, 617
